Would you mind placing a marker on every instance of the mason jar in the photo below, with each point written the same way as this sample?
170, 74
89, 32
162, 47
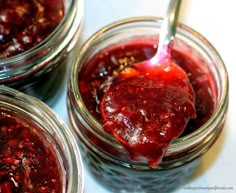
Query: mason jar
104, 156
40, 70
38, 153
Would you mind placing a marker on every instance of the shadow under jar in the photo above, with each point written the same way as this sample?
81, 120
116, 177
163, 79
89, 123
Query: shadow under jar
38, 153
37, 39
103, 56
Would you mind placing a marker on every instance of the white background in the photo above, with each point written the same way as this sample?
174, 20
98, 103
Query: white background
214, 19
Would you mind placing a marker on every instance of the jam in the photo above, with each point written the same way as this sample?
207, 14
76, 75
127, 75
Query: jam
28, 162
37, 38
148, 107
24, 24
111, 107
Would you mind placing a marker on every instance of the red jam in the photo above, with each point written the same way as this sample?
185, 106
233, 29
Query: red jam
24, 24
147, 109
136, 97
27, 159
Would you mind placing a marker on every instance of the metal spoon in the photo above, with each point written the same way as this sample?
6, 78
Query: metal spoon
167, 33
161, 61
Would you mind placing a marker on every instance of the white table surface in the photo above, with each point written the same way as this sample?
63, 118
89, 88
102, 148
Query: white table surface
215, 19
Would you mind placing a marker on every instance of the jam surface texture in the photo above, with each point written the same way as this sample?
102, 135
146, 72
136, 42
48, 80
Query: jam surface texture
147, 109
24, 24
140, 109
27, 161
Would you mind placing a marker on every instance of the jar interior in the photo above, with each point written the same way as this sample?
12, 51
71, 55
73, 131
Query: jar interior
187, 40
184, 42
39, 150
47, 142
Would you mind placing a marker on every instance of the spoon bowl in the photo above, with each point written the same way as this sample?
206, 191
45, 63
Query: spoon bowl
161, 61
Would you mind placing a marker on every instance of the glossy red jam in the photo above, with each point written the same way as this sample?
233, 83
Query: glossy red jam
24, 24
28, 162
146, 107
94, 84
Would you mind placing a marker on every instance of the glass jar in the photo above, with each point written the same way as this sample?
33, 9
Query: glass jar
41, 70
38, 144
105, 156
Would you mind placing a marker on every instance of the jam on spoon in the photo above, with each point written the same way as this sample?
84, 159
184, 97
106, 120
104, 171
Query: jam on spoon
149, 104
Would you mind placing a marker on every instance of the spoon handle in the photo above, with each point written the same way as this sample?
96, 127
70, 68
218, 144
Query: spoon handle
168, 29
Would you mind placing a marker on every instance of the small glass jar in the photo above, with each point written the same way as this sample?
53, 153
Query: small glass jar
41, 70
105, 156
21, 115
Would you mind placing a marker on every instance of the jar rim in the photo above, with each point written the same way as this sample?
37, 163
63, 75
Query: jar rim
74, 7
182, 142
20, 102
